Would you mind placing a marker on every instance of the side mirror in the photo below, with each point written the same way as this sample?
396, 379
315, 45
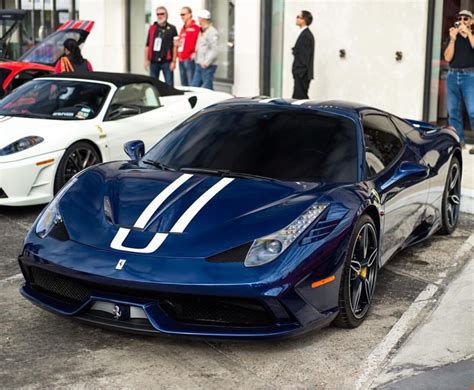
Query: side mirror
134, 149
406, 170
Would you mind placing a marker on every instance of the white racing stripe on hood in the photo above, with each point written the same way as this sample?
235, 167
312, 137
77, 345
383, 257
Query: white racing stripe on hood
179, 226
158, 201
191, 212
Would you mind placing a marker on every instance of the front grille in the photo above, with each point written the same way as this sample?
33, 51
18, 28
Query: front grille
58, 286
3, 195
217, 311
197, 310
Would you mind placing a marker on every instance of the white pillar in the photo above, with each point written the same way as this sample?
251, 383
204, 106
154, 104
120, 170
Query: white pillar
105, 46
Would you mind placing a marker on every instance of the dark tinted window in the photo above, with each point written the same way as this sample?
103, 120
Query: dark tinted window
283, 143
402, 126
3, 75
382, 142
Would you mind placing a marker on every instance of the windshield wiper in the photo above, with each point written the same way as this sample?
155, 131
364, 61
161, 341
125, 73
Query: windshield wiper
159, 165
225, 172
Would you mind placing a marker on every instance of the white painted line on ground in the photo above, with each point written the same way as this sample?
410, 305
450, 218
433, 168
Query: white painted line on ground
380, 353
375, 360
12, 278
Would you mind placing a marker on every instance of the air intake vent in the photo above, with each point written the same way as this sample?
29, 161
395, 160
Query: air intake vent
326, 225
233, 255
3, 195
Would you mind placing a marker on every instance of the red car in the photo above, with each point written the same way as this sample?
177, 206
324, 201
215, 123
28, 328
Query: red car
41, 58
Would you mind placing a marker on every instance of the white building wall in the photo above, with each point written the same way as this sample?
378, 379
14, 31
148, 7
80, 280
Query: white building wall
370, 31
105, 46
247, 48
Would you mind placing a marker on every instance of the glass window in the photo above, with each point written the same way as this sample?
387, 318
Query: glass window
3, 75
141, 95
25, 76
55, 99
223, 12
279, 143
382, 142
48, 51
402, 126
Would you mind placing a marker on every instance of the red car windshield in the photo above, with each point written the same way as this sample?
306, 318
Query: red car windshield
56, 99
51, 49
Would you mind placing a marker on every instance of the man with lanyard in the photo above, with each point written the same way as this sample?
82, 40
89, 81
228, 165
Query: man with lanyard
160, 51
460, 83
187, 46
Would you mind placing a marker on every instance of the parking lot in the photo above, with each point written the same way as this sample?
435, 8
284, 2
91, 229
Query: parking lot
41, 350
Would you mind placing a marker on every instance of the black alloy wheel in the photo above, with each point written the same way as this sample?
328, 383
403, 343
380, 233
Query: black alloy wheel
359, 275
77, 157
451, 198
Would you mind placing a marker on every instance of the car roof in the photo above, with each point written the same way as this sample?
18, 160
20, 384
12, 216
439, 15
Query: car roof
338, 107
121, 79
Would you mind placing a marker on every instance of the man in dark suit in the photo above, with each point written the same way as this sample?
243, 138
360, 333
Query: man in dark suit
303, 52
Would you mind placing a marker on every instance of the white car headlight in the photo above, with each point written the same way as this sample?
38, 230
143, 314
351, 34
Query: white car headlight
21, 144
268, 248
51, 216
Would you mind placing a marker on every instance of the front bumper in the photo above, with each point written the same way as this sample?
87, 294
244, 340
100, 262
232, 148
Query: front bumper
259, 311
25, 183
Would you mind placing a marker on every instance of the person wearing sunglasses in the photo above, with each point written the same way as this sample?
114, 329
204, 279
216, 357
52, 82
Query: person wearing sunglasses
160, 50
188, 37
460, 82
303, 53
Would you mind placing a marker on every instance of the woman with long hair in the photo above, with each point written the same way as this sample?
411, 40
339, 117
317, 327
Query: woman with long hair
72, 60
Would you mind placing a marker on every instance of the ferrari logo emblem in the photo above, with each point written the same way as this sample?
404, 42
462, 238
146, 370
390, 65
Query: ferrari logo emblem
116, 312
120, 264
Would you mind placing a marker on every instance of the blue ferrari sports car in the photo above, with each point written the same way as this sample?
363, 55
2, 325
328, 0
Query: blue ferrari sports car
252, 219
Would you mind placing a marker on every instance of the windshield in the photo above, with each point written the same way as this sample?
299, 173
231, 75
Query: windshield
281, 143
51, 48
56, 99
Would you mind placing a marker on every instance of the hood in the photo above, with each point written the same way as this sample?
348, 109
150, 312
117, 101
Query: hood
56, 134
218, 213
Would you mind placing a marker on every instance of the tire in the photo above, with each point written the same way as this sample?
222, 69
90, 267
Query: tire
359, 275
77, 157
451, 198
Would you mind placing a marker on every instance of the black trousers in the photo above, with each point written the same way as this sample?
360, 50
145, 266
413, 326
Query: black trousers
300, 90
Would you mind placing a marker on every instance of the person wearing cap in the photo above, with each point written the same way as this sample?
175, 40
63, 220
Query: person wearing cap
160, 50
188, 37
206, 52
303, 53
460, 82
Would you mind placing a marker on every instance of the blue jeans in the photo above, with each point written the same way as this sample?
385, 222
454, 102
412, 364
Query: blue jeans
460, 86
186, 71
204, 77
157, 67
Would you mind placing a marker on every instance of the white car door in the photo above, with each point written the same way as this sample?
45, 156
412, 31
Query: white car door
135, 113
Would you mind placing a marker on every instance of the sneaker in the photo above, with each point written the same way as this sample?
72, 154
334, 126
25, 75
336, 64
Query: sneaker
471, 151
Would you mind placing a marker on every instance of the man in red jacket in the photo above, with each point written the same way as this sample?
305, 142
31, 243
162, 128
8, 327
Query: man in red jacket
187, 46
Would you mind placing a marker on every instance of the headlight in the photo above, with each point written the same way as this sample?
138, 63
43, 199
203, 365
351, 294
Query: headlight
21, 144
268, 248
51, 216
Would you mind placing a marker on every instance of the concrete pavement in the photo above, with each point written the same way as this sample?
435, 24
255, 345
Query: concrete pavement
438, 354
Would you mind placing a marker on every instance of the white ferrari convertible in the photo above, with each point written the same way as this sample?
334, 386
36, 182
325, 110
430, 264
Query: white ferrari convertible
53, 127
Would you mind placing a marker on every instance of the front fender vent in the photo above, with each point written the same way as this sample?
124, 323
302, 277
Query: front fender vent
326, 225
